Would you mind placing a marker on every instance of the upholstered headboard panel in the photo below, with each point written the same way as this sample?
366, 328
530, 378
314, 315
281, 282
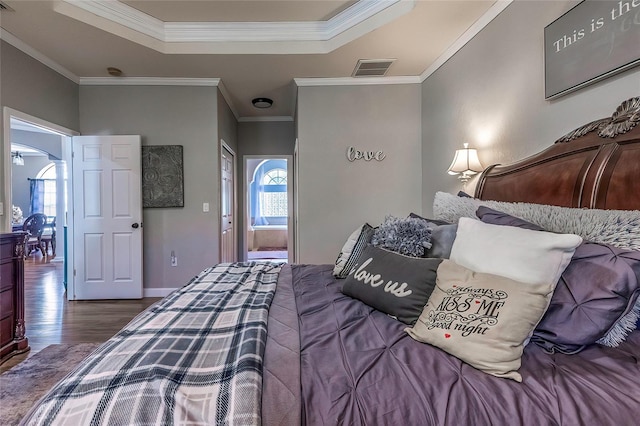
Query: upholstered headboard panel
595, 166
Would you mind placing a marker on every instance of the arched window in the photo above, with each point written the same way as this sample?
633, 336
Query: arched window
275, 177
48, 175
273, 195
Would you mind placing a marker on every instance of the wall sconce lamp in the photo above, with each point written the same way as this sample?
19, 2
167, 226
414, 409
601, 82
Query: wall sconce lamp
465, 164
17, 159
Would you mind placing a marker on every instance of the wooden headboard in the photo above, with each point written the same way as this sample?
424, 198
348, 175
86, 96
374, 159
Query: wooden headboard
595, 166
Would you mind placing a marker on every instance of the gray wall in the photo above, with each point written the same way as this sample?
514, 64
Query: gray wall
168, 115
227, 124
30, 87
259, 138
491, 94
45, 142
335, 196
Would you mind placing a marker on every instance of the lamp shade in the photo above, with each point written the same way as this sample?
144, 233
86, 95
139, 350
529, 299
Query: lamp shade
465, 161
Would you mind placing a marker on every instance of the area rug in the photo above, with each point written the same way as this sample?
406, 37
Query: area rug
24, 384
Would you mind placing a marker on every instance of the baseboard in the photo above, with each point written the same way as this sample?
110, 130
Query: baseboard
156, 292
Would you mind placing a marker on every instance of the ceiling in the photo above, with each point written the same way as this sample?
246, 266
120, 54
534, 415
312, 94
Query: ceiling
254, 47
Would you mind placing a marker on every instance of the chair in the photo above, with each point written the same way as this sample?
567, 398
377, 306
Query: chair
34, 227
49, 235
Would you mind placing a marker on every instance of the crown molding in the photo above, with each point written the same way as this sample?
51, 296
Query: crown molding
473, 30
28, 50
235, 37
265, 118
356, 81
148, 81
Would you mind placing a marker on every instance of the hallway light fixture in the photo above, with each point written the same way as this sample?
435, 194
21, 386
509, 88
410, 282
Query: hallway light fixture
465, 163
17, 159
262, 103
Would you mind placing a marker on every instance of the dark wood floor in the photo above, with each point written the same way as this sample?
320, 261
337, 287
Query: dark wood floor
50, 318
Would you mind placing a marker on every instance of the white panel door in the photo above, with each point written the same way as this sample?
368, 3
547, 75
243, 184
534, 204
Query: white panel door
227, 206
107, 217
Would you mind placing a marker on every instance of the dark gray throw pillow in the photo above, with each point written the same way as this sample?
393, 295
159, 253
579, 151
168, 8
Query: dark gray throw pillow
433, 222
596, 299
392, 283
442, 238
442, 235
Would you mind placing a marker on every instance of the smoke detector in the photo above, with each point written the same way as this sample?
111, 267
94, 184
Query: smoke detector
372, 67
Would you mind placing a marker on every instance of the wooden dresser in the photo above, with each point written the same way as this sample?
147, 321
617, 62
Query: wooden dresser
12, 337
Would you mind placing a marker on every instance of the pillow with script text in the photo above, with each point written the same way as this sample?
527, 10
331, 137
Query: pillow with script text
395, 284
482, 319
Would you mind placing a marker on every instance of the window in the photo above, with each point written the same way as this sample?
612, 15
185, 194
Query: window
275, 177
48, 175
273, 197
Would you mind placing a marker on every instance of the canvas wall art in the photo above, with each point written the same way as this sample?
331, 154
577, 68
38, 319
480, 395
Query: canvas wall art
162, 176
592, 41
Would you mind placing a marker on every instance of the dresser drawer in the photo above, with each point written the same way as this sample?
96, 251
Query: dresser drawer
6, 303
6, 250
6, 330
7, 277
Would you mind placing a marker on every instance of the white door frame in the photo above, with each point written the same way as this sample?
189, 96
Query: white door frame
290, 202
5, 219
234, 225
8, 114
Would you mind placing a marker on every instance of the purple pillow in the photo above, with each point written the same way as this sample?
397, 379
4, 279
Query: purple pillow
596, 299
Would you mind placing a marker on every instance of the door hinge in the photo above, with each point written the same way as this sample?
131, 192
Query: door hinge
74, 272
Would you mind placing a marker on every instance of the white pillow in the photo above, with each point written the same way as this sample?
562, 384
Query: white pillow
351, 250
523, 255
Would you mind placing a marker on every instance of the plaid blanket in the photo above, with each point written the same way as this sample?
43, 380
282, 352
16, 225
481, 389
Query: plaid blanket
193, 358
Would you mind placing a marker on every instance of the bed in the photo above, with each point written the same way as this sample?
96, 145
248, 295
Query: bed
264, 343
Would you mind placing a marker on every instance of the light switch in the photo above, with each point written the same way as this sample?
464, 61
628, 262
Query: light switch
1, 209
205, 207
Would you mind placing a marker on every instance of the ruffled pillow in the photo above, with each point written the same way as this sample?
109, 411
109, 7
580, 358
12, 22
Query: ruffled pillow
409, 236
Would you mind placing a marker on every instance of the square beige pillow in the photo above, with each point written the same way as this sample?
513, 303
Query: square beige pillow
482, 319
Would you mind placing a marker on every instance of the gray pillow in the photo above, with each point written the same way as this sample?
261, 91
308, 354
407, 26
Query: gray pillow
409, 236
392, 283
442, 238
596, 299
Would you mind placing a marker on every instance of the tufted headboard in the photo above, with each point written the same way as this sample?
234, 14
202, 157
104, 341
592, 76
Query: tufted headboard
594, 166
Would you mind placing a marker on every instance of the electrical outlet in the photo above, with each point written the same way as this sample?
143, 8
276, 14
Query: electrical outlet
205, 207
1, 209
174, 258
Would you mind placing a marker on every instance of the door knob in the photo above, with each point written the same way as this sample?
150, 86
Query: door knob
135, 226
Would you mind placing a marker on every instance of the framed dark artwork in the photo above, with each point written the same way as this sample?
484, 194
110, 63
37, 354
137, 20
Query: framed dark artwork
162, 176
592, 41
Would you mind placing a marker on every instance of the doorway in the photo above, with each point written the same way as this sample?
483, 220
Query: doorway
39, 150
268, 213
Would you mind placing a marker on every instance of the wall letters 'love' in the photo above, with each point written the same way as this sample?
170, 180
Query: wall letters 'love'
355, 154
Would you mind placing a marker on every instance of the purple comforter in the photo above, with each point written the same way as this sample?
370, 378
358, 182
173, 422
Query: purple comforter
358, 367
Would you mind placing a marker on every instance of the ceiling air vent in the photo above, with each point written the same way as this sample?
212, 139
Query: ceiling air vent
372, 67
5, 8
